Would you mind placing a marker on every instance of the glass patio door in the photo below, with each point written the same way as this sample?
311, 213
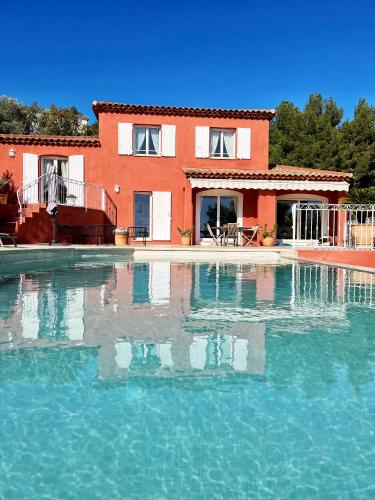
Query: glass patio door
60, 167
311, 223
216, 211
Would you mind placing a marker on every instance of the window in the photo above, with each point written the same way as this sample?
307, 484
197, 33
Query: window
221, 143
147, 141
142, 210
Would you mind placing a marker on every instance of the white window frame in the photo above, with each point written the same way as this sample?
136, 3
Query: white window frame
147, 127
221, 130
218, 193
149, 238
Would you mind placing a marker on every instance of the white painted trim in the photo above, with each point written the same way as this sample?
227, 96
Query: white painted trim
269, 184
218, 193
301, 197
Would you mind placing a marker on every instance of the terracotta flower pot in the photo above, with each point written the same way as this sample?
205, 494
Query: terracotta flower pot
268, 242
185, 240
121, 240
3, 198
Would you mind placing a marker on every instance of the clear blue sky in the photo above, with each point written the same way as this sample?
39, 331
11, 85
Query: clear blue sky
187, 53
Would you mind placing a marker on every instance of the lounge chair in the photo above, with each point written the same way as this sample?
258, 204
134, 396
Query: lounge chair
9, 236
217, 239
232, 233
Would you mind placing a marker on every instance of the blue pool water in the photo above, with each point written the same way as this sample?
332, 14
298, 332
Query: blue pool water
160, 380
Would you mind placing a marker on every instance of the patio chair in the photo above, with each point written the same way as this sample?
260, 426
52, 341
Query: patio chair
94, 232
64, 232
109, 237
232, 233
250, 239
78, 237
9, 237
217, 239
138, 232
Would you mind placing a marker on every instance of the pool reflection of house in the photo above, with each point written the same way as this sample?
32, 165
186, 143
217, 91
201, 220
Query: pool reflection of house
156, 329
211, 318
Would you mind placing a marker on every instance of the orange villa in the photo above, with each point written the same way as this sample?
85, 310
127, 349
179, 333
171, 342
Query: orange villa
162, 168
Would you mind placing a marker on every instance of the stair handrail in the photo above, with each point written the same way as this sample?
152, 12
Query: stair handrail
89, 196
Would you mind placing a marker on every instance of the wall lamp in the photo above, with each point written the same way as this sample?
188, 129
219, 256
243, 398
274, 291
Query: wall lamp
117, 188
12, 153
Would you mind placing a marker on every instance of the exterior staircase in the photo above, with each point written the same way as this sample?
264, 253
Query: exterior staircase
30, 221
36, 226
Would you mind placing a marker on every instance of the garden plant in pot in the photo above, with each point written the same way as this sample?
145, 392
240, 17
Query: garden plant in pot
185, 235
71, 199
4, 185
268, 236
121, 236
6, 188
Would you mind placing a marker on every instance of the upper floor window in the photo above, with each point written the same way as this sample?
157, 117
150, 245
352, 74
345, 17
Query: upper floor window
147, 140
222, 143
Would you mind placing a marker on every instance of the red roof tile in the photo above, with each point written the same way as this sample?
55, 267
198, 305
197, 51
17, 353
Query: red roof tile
280, 172
137, 109
50, 140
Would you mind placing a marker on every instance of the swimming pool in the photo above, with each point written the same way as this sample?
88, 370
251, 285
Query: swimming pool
155, 380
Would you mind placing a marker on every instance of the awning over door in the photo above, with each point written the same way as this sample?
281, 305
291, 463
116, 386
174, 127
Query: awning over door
269, 184
279, 177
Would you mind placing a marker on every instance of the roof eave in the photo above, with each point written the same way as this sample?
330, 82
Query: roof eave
112, 107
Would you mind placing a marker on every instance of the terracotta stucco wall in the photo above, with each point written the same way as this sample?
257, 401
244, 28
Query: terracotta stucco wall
140, 173
15, 165
363, 258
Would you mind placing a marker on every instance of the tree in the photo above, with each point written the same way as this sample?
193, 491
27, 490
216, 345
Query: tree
316, 137
17, 118
13, 118
93, 129
357, 144
360, 196
61, 121
309, 137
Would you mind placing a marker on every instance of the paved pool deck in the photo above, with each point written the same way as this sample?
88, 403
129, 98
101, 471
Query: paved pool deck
44, 253
37, 253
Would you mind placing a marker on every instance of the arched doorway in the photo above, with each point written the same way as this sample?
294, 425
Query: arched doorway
216, 207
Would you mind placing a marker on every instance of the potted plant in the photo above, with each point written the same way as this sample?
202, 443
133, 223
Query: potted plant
268, 237
185, 235
71, 199
4, 184
121, 236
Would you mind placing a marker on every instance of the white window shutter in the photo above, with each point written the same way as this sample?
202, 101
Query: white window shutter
30, 176
244, 143
202, 142
168, 140
125, 138
161, 215
77, 173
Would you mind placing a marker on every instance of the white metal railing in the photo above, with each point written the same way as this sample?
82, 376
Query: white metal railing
52, 188
334, 225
